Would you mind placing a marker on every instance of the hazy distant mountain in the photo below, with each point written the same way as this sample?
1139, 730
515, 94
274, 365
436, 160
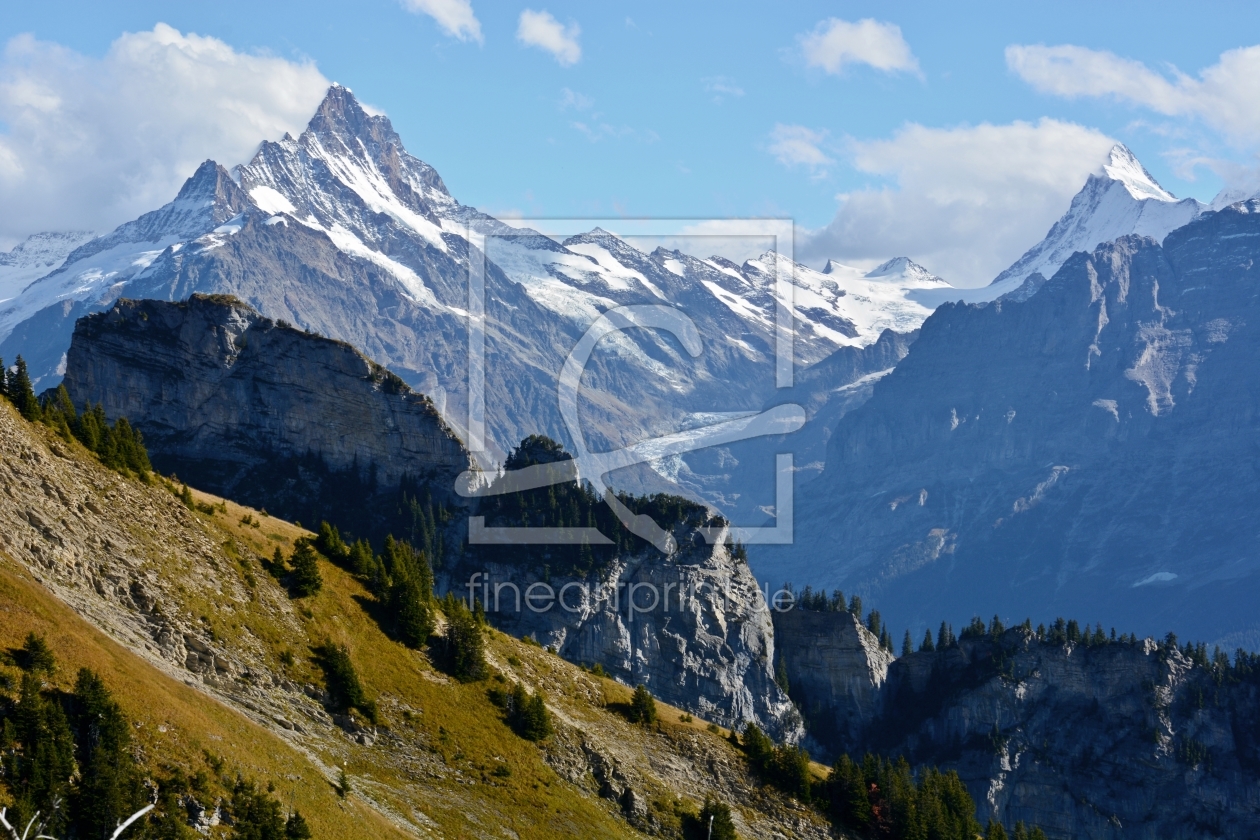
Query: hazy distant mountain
34, 257
1089, 452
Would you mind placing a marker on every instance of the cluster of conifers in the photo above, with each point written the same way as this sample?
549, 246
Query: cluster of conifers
70, 766
119, 446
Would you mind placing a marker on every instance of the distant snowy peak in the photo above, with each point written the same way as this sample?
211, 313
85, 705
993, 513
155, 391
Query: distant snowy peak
44, 250
34, 257
1122, 198
905, 270
96, 270
1122, 166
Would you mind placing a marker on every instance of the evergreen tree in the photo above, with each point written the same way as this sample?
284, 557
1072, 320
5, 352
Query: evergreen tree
36, 656
528, 715
255, 815
907, 645
110, 788
927, 644
306, 580
463, 648
4, 380
344, 787
781, 676
994, 831
413, 614
715, 821
295, 828
642, 706
22, 394
362, 562
331, 545
345, 689
38, 772
757, 745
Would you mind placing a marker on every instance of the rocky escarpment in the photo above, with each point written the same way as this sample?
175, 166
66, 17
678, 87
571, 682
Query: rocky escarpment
259, 411
1087, 739
1090, 452
692, 626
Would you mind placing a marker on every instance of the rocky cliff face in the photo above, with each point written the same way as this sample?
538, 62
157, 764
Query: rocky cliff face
254, 409
1116, 739
692, 626
1090, 452
836, 672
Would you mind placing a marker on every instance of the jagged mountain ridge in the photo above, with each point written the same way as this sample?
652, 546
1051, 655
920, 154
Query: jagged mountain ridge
343, 232
1088, 452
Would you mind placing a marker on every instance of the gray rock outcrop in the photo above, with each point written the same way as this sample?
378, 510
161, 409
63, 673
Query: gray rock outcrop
836, 671
240, 402
692, 626
1106, 739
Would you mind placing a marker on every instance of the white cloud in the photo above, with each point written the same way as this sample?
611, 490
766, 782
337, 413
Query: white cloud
796, 145
540, 29
967, 202
90, 143
576, 101
1224, 96
454, 16
722, 87
834, 43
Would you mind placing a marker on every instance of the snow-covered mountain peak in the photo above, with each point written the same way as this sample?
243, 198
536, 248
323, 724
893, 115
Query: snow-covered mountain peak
1121, 199
97, 269
1124, 167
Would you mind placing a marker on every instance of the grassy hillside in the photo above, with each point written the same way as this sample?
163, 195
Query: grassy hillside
177, 610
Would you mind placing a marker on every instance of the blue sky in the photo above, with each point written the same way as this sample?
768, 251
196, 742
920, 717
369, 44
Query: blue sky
668, 109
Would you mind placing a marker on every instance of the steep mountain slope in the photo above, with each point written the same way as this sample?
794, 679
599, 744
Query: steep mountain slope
189, 594
307, 427
1089, 452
